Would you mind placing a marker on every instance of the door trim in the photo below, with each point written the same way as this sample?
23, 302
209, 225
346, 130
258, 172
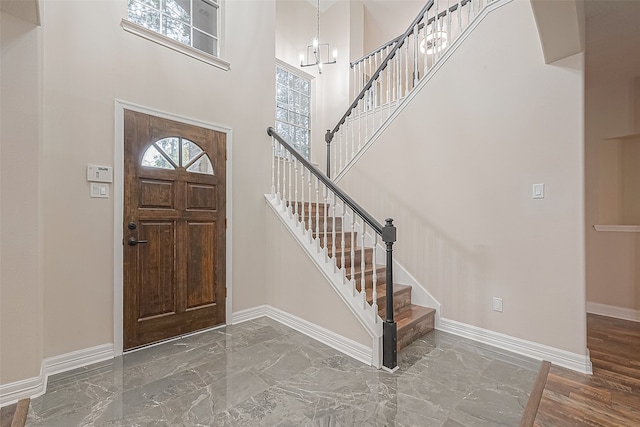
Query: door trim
118, 214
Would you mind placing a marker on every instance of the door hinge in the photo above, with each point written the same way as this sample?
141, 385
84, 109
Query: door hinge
225, 153
225, 292
226, 223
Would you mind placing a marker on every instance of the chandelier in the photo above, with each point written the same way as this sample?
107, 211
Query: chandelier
318, 53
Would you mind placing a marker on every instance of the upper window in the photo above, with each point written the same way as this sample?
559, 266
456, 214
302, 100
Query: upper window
175, 152
191, 22
293, 109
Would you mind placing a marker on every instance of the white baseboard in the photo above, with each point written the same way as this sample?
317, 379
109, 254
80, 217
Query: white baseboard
574, 361
37, 386
613, 311
345, 345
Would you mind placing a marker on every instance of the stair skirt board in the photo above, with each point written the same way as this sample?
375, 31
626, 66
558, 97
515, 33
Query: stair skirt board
495, 4
351, 348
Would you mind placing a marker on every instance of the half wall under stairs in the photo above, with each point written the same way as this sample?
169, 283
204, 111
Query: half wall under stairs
349, 261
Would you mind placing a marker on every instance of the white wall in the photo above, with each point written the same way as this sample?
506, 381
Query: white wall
20, 201
455, 170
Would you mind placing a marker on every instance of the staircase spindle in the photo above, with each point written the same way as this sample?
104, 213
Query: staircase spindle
416, 42
333, 227
310, 208
295, 186
342, 246
285, 200
324, 209
363, 285
388, 72
316, 226
302, 210
353, 247
374, 294
406, 68
459, 16
273, 167
278, 182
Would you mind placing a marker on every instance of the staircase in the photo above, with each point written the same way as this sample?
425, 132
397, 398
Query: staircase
413, 321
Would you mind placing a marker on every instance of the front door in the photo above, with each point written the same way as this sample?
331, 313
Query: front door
174, 228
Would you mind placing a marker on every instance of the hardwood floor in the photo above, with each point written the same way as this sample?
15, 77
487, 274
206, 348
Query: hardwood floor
609, 397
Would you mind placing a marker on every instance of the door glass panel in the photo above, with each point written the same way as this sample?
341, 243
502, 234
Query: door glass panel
189, 151
171, 147
153, 159
202, 165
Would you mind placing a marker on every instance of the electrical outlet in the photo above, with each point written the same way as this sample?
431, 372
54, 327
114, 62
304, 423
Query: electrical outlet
497, 304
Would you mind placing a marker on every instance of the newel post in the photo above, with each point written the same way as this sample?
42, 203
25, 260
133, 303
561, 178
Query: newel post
327, 138
389, 328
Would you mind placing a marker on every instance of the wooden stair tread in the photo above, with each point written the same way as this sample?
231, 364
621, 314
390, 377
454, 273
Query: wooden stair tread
412, 314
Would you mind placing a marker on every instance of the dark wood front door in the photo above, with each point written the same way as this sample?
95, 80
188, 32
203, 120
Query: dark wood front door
174, 228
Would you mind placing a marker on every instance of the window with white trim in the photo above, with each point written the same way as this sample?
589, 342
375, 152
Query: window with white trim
293, 109
194, 23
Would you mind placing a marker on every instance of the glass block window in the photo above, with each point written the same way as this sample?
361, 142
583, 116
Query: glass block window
191, 22
293, 109
175, 152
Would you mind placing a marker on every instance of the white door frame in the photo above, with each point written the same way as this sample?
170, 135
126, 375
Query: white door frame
118, 214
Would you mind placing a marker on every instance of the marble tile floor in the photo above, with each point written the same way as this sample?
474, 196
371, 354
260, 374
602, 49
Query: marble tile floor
262, 373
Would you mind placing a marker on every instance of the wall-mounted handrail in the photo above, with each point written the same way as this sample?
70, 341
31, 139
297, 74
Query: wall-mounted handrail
387, 232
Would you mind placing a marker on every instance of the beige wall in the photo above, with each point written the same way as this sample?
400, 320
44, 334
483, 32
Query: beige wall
88, 61
296, 25
385, 20
295, 285
612, 69
456, 168
20, 201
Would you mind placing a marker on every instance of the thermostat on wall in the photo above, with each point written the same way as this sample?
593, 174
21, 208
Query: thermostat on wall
99, 173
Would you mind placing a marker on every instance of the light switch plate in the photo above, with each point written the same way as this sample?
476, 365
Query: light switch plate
99, 173
99, 190
538, 191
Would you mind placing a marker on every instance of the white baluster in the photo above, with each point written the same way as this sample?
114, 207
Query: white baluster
310, 208
303, 170
424, 37
406, 67
290, 194
340, 142
295, 194
359, 107
388, 72
449, 31
285, 201
278, 182
374, 294
324, 208
353, 138
353, 250
363, 285
342, 242
459, 10
273, 167
416, 43
316, 228
333, 228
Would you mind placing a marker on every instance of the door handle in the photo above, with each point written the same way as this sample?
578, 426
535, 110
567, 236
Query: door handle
133, 241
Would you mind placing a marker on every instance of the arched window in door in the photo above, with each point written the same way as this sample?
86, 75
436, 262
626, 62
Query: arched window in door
175, 152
